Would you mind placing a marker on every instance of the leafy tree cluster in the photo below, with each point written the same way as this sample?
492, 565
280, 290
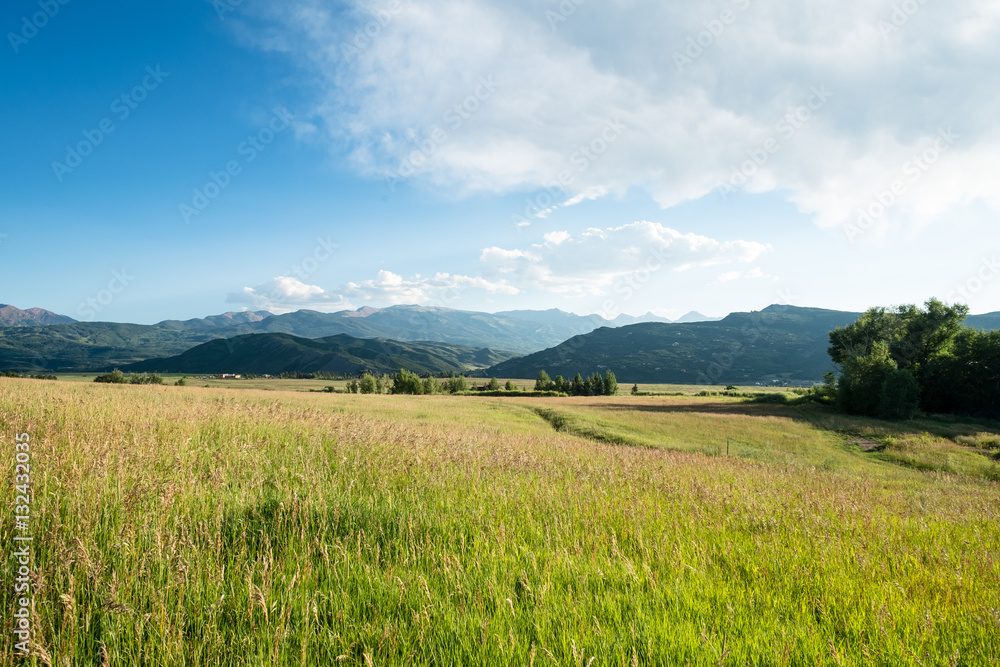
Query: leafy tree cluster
595, 385
298, 375
897, 361
407, 382
117, 377
367, 384
15, 374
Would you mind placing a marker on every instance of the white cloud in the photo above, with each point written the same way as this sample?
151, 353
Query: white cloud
389, 288
557, 86
590, 263
755, 273
284, 294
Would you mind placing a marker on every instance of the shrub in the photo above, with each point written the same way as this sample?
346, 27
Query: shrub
114, 377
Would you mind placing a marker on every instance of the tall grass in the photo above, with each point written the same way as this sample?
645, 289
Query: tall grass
210, 527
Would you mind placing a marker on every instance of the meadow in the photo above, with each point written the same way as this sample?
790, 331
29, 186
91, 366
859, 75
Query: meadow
235, 526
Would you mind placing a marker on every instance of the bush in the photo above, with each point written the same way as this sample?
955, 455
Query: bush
114, 377
143, 378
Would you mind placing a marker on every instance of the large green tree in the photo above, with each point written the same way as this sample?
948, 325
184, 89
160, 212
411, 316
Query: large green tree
914, 336
895, 360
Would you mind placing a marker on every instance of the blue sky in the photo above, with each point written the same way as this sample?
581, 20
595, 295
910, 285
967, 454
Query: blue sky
487, 155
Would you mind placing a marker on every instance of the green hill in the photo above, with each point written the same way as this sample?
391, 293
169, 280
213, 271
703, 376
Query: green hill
91, 346
779, 343
279, 353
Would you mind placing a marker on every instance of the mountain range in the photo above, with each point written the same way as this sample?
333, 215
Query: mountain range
65, 345
783, 343
777, 344
276, 353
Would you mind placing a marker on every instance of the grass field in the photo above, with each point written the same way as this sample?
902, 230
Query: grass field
224, 526
279, 384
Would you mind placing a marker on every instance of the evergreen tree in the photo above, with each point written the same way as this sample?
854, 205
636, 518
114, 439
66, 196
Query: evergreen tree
610, 384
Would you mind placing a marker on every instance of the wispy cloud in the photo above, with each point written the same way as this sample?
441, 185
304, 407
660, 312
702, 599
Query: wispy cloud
556, 88
283, 294
589, 263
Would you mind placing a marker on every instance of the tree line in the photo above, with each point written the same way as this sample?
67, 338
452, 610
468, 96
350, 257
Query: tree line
897, 361
408, 382
595, 385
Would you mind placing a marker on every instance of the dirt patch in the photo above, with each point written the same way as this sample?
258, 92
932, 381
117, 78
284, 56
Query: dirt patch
866, 445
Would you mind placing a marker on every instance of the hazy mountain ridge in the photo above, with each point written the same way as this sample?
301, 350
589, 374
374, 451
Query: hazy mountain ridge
792, 345
275, 353
225, 320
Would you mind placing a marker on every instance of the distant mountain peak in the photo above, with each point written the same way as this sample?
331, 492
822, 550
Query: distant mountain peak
695, 316
364, 311
12, 316
248, 315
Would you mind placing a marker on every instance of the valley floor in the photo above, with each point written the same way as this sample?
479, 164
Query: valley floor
221, 526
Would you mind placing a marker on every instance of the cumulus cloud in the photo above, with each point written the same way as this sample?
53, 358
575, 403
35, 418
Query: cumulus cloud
590, 263
390, 289
284, 294
497, 95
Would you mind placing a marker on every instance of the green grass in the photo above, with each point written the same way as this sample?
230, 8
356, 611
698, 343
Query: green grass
187, 526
